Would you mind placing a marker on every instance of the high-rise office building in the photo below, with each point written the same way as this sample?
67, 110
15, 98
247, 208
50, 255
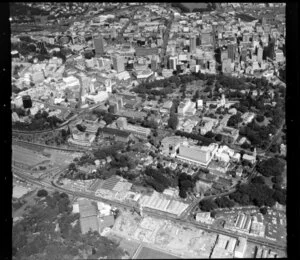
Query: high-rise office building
118, 63
246, 37
42, 47
205, 38
99, 45
192, 43
224, 54
108, 85
260, 54
231, 48
198, 40
154, 63
113, 33
226, 66
173, 61
243, 54
27, 103
271, 49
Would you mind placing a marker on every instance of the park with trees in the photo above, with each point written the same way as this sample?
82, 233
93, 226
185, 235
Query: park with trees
36, 235
40, 121
271, 167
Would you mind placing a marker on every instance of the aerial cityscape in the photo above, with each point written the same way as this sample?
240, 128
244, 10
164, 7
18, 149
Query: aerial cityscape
148, 130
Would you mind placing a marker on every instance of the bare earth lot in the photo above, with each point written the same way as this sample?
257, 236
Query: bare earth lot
149, 253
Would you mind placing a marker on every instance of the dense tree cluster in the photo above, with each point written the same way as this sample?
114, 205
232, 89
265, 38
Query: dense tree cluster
122, 160
81, 128
224, 202
149, 124
271, 167
105, 116
59, 54
182, 7
40, 121
259, 194
167, 86
263, 210
196, 96
207, 205
34, 237
259, 118
257, 135
204, 140
42, 193
253, 194
186, 184
258, 179
156, 179
234, 120
21, 10
173, 121
24, 48
102, 153
17, 90
277, 179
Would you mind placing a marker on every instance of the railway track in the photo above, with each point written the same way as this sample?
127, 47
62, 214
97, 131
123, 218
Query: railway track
48, 147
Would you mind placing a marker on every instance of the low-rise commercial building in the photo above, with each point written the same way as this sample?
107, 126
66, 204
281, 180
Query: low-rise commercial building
241, 247
81, 138
160, 202
187, 107
116, 134
229, 134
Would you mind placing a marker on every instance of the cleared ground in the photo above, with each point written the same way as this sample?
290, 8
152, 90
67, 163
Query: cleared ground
149, 253
26, 156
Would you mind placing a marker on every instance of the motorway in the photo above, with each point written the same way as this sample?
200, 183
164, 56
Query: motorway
53, 186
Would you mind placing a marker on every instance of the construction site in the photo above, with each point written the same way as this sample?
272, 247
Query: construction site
164, 235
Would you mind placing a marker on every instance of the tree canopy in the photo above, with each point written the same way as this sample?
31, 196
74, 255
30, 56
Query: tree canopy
36, 236
207, 205
173, 121
271, 167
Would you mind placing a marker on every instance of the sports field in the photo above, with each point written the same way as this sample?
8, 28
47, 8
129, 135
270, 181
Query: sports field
149, 253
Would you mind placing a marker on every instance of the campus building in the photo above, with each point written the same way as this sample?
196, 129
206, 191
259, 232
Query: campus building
200, 156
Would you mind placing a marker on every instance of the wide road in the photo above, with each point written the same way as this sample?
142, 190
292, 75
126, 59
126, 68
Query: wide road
152, 213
